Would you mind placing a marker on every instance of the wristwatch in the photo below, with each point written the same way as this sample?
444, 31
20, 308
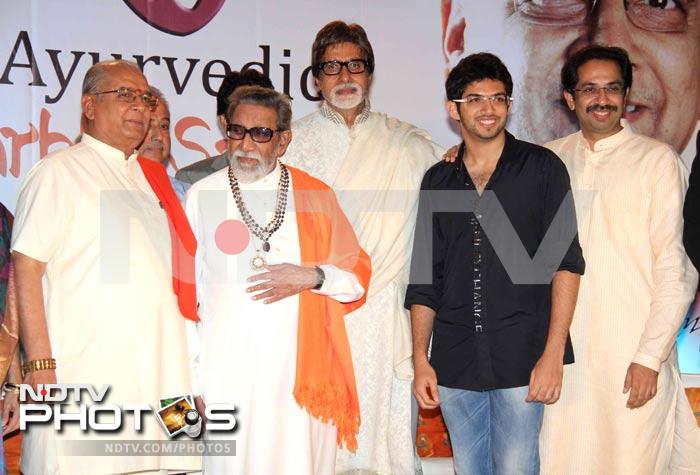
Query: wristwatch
321, 278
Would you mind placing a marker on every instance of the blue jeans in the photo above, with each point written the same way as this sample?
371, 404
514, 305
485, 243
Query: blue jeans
492, 432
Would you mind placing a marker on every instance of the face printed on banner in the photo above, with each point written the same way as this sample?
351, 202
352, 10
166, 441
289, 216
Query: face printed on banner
662, 38
484, 114
111, 119
156, 145
344, 91
599, 98
253, 159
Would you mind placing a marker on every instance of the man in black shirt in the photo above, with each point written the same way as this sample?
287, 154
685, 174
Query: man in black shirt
494, 277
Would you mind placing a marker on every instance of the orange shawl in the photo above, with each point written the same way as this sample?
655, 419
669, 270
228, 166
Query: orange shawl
184, 244
325, 380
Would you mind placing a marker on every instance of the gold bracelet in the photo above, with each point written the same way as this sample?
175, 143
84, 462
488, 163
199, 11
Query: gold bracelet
38, 365
11, 388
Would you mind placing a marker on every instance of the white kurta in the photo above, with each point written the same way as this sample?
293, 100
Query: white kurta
375, 167
632, 301
247, 353
112, 317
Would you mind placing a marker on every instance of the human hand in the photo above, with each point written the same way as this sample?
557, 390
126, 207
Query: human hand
450, 155
640, 382
425, 385
10, 412
43, 376
545, 379
281, 281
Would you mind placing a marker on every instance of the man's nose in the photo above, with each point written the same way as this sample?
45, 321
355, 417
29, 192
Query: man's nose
344, 74
139, 104
247, 143
487, 104
609, 25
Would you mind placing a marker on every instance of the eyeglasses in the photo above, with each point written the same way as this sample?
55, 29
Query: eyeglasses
593, 91
333, 68
664, 16
257, 134
477, 100
128, 95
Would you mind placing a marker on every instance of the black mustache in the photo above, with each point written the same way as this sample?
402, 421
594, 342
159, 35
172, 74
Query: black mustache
601, 108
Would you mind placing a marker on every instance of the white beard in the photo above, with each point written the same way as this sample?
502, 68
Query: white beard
248, 174
347, 101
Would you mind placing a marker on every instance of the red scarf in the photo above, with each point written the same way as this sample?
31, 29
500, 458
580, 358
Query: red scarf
184, 244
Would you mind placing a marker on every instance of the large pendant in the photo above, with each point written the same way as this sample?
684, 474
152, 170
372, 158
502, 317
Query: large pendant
257, 262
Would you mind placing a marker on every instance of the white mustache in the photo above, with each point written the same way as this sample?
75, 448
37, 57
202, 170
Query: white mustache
346, 85
250, 155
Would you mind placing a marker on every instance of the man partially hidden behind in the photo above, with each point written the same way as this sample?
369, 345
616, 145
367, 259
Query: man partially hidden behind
375, 163
156, 145
278, 267
248, 77
94, 284
623, 408
499, 319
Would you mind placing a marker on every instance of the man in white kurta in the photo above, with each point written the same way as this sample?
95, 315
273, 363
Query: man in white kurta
88, 216
375, 164
632, 302
246, 347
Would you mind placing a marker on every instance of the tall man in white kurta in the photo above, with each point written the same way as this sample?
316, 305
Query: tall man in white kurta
375, 164
91, 231
250, 343
622, 402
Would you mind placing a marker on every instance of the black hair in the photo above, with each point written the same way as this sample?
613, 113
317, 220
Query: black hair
477, 67
569, 72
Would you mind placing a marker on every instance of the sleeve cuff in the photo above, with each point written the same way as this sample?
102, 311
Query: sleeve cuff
340, 285
648, 361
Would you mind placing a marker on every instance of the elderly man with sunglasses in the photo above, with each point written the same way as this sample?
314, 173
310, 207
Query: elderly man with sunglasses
375, 163
94, 286
277, 268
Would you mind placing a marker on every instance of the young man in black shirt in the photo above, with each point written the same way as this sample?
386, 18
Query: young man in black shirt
494, 278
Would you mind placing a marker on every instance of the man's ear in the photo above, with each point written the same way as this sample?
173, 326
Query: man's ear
222, 123
453, 110
569, 99
285, 137
87, 103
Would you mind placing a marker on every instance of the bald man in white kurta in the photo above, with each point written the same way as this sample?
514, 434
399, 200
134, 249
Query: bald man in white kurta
89, 213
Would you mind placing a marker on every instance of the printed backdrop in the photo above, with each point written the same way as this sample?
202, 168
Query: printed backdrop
186, 46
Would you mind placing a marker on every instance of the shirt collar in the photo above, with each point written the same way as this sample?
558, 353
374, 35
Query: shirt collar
506, 154
331, 114
103, 149
610, 142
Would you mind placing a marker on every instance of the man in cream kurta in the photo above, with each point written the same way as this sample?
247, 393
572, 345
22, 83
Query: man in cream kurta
88, 216
250, 343
632, 303
375, 164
